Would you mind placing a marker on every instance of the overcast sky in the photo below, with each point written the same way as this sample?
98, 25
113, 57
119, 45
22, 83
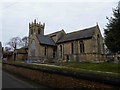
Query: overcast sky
69, 15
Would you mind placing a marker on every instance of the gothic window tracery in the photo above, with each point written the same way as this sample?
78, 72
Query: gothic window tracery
33, 48
61, 51
98, 43
72, 47
54, 53
45, 53
82, 48
38, 30
31, 31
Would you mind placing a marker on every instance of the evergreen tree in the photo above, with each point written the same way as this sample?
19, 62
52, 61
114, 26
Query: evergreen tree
112, 31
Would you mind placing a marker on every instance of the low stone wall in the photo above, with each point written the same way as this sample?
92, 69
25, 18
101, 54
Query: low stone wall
55, 79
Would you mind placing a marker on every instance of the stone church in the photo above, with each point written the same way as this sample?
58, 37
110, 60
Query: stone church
80, 46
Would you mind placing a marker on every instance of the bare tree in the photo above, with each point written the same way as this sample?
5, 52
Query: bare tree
15, 42
7, 49
25, 41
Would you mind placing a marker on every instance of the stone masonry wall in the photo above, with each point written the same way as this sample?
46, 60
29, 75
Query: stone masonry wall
55, 80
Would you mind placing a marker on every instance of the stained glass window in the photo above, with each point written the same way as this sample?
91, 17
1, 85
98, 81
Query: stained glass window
33, 48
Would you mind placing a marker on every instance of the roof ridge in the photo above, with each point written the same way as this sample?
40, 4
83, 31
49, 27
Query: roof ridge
54, 32
80, 34
81, 30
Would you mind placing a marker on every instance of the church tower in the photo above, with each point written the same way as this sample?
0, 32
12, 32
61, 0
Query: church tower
36, 28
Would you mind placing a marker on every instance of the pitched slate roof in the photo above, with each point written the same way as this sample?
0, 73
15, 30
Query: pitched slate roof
81, 34
46, 40
54, 33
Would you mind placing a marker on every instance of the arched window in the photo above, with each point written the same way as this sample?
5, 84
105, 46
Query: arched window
33, 48
98, 43
72, 47
82, 48
38, 30
61, 51
54, 52
31, 31
45, 53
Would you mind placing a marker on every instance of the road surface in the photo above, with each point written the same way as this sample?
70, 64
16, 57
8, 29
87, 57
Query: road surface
13, 81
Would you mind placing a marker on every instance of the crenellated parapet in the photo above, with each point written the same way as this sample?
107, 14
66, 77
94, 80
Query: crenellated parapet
38, 24
36, 28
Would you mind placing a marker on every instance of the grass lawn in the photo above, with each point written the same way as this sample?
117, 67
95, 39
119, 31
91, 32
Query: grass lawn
104, 67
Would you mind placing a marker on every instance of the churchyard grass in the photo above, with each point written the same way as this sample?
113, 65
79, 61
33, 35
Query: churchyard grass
104, 69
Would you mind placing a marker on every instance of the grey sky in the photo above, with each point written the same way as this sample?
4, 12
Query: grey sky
70, 16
